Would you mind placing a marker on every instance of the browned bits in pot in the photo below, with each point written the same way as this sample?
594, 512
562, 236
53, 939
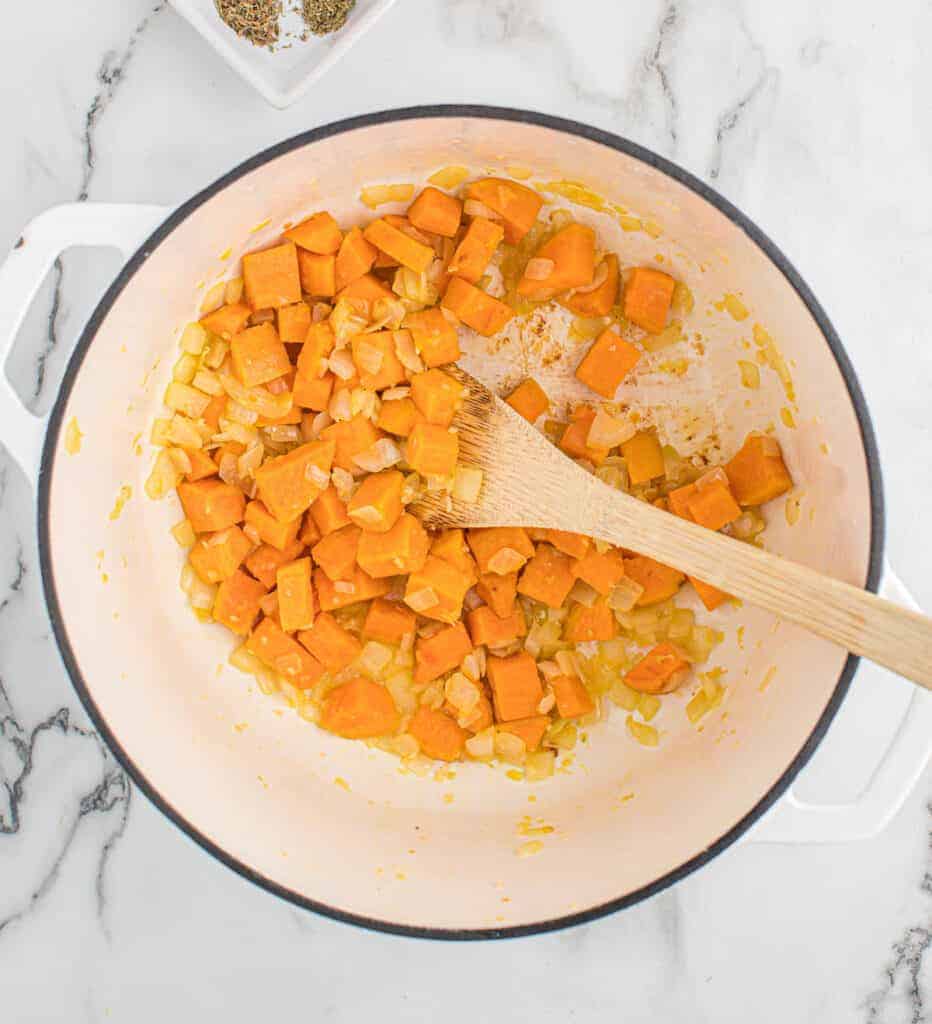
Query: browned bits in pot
325, 16
255, 20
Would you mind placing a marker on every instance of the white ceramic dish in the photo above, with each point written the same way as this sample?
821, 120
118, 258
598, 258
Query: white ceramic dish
285, 75
332, 825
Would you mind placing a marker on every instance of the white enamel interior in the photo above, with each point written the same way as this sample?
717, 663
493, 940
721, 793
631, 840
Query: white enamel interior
386, 845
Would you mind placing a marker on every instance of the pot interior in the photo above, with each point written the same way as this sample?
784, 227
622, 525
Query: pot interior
339, 824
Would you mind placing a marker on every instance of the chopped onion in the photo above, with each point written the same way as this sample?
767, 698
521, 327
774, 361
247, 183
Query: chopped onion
318, 477
320, 311
481, 747
216, 354
278, 386
549, 669
184, 534
407, 353
343, 482
422, 600
411, 489
181, 431
208, 382
341, 363
473, 208
510, 748
539, 765
180, 459
383, 454
341, 406
583, 594
395, 394
214, 298
233, 291
258, 400
376, 195
320, 422
374, 659
185, 368
624, 595
344, 587
546, 703
505, 560
609, 431
568, 663
462, 693
240, 414
348, 319
539, 269
164, 477
185, 399
365, 402
283, 433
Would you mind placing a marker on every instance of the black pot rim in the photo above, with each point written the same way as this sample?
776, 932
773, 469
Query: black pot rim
569, 127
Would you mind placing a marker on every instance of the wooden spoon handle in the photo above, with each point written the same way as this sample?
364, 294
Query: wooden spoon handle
898, 638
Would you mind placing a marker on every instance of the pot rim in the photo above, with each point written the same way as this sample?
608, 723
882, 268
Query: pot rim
570, 127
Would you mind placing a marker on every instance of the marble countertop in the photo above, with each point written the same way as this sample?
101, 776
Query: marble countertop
812, 118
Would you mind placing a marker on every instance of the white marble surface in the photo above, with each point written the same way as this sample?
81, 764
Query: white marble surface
815, 119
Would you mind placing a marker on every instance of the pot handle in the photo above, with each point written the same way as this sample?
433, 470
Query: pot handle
792, 820
122, 226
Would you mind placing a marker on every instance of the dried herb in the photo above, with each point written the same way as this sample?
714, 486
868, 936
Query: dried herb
255, 20
326, 16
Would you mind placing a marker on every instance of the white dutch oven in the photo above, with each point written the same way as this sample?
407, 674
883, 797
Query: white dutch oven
334, 826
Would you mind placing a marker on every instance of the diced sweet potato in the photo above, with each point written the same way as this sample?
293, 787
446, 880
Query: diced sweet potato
295, 595
312, 393
480, 718
601, 571
571, 256
329, 512
757, 473
488, 629
354, 258
388, 621
336, 553
598, 301
498, 592
516, 687
643, 457
531, 730
265, 561
434, 336
284, 655
609, 360
287, 484
678, 500
318, 344
211, 505
648, 295
450, 545
217, 556
376, 505
437, 734
359, 709
318, 233
586, 624
548, 577
661, 670
575, 437
237, 602
271, 530
710, 596
216, 407
270, 277
318, 274
376, 360
573, 544
437, 396
476, 249
367, 287
478, 310
400, 550
573, 699
398, 416
293, 322
437, 590
332, 645
436, 212
713, 505
333, 594
432, 450
406, 250
658, 580
500, 549
309, 534
227, 320
529, 400
516, 204
351, 437
436, 655
202, 465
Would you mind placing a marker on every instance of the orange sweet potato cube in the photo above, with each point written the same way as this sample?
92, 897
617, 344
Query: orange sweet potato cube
678, 500
661, 670
295, 595
586, 624
436, 590
318, 274
658, 580
489, 630
529, 400
388, 621
437, 734
351, 437
367, 288
643, 457
437, 396
271, 530
271, 278
516, 204
216, 556
713, 505
202, 465
308, 535
293, 322
434, 337
436, 212
483, 313
318, 233
329, 512
400, 550
436, 655
648, 295
432, 450
333, 594
601, 571
498, 592
710, 596
574, 438
609, 360
265, 561
287, 484
284, 655
573, 544
500, 549
211, 505
332, 645
359, 709
401, 247
336, 553
516, 687
598, 301
571, 256
354, 258
478, 245
450, 545
376, 504
548, 577
573, 698
757, 473
227, 320
531, 730
237, 602
376, 360
398, 416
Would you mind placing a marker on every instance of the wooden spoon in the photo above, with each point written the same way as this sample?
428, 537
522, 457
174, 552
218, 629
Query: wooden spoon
530, 482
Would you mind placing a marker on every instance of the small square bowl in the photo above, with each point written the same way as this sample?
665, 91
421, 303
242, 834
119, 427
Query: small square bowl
282, 76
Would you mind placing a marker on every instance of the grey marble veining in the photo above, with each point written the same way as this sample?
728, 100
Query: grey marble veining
815, 119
